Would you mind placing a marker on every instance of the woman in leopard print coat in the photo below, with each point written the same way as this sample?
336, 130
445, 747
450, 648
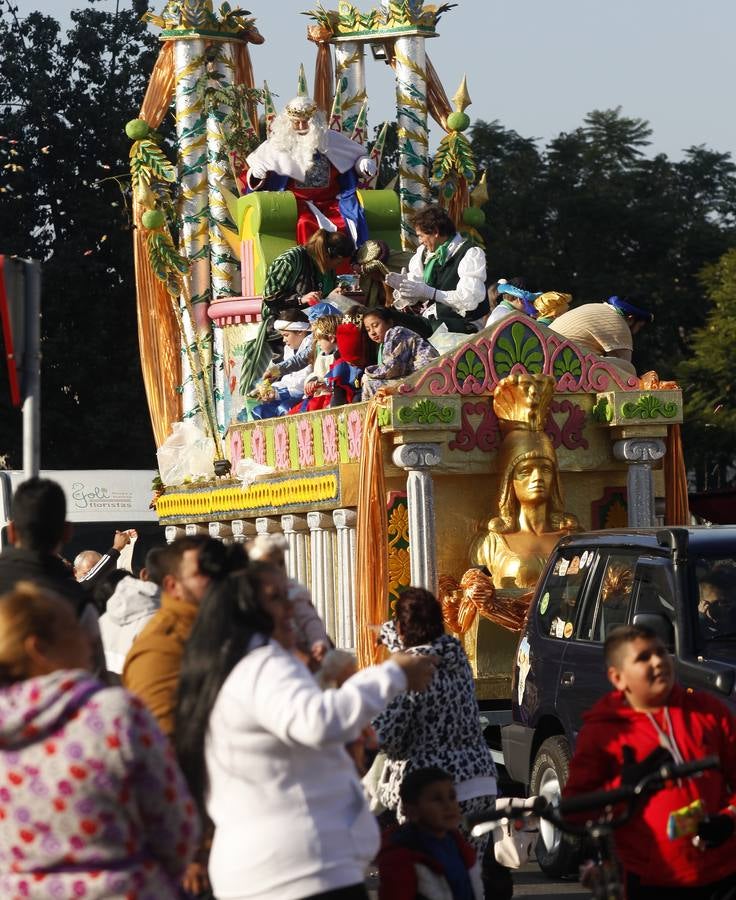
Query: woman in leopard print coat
441, 726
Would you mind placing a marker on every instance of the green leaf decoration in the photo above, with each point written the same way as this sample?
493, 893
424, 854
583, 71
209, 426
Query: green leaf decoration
522, 348
384, 416
566, 363
454, 156
425, 412
649, 407
603, 411
470, 364
146, 155
166, 263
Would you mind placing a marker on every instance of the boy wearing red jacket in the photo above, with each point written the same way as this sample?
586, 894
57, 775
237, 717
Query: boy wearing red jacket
428, 857
647, 713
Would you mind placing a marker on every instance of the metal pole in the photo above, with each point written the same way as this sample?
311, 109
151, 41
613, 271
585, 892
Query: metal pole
32, 371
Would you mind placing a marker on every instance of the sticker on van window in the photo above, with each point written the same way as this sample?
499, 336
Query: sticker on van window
524, 661
544, 603
574, 566
568, 630
584, 559
564, 564
556, 570
560, 628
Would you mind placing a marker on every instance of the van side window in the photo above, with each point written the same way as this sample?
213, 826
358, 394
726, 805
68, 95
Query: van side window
558, 605
613, 599
655, 592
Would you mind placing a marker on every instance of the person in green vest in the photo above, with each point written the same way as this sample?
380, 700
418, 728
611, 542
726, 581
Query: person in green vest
446, 281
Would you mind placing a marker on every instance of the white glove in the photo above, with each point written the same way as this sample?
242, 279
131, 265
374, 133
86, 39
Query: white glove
401, 302
257, 171
366, 167
416, 290
394, 279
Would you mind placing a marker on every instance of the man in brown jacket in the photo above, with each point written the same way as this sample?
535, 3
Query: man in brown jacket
153, 662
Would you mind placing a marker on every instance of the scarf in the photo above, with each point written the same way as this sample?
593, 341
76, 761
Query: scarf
437, 257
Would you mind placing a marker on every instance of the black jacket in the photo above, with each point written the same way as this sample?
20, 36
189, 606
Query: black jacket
43, 569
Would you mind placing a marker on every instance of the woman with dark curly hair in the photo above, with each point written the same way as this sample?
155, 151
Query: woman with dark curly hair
441, 726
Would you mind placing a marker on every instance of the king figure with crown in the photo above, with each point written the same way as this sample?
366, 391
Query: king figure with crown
320, 166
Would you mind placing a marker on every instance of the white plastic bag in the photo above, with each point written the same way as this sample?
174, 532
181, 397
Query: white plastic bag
371, 781
248, 471
444, 341
513, 847
186, 453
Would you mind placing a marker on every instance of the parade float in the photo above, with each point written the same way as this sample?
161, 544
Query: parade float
416, 487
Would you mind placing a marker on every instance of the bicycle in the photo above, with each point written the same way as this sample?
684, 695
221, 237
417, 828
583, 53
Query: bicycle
605, 877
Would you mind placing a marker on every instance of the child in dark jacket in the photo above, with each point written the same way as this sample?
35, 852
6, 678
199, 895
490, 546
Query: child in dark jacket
680, 843
428, 859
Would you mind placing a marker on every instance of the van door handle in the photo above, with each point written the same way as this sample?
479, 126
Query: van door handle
567, 679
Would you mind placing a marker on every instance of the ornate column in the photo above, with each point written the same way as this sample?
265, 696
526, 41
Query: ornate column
221, 531
417, 459
243, 530
172, 532
639, 454
350, 74
411, 121
191, 132
266, 525
224, 267
322, 531
295, 529
192, 529
344, 520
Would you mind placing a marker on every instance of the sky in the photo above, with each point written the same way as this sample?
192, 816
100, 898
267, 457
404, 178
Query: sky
539, 67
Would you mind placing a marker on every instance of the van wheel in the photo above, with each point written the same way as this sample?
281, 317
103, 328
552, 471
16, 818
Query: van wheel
558, 854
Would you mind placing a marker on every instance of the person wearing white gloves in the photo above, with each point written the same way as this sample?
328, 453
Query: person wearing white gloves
446, 281
321, 167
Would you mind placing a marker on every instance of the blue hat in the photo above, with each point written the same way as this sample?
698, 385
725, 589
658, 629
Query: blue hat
527, 297
630, 309
321, 309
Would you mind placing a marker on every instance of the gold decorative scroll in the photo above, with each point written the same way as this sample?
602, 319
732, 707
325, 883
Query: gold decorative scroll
158, 333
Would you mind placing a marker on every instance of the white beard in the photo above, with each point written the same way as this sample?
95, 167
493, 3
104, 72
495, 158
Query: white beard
300, 147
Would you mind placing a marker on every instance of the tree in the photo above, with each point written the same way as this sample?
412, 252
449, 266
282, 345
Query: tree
64, 101
516, 210
592, 216
707, 375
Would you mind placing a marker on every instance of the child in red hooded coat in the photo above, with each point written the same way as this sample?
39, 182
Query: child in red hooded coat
666, 853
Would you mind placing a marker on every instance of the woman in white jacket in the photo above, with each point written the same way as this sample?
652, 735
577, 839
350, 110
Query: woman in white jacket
263, 748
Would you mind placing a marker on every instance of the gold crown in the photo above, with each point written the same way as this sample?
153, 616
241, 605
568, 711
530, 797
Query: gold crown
523, 401
354, 316
326, 326
302, 110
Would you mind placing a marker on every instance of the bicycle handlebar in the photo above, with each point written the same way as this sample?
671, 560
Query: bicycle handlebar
508, 808
538, 806
648, 785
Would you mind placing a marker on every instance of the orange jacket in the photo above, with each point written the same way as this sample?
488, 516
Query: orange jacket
153, 663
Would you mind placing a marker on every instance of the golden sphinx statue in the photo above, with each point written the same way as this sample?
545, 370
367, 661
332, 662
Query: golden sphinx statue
517, 542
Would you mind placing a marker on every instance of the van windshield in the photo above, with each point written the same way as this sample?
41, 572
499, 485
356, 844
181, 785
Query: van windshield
716, 580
